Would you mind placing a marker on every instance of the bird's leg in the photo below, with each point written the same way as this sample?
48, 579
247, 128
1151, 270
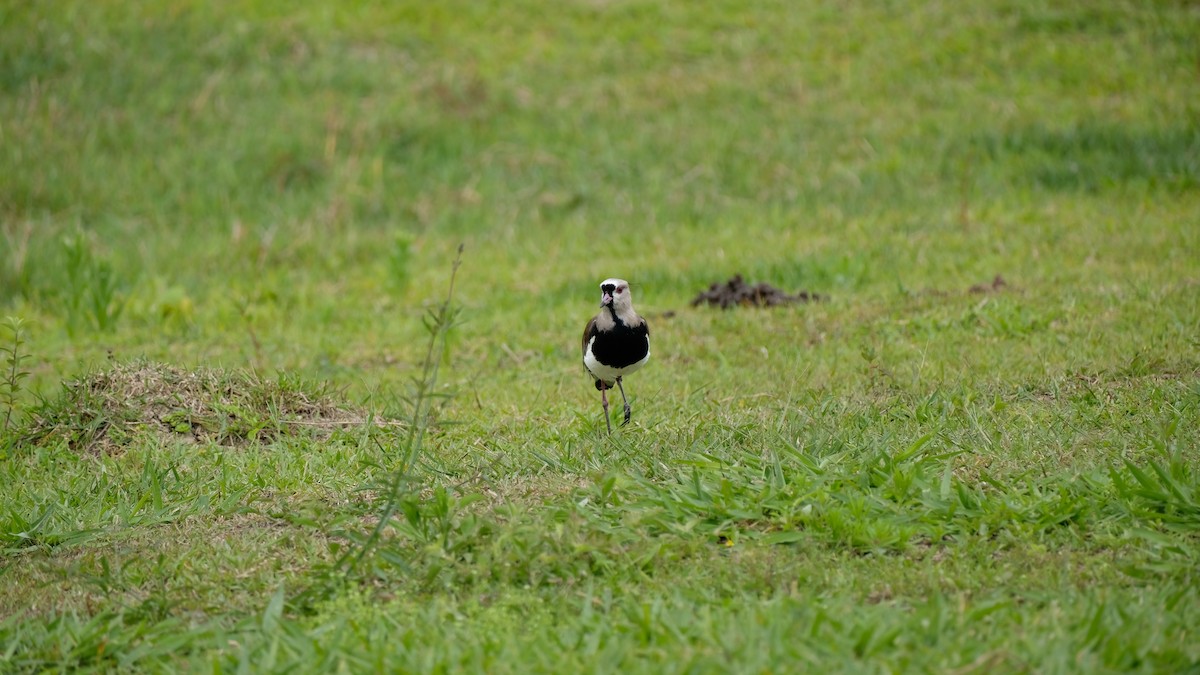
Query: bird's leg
604, 402
627, 410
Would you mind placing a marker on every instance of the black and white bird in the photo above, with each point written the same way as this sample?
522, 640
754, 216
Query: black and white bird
616, 342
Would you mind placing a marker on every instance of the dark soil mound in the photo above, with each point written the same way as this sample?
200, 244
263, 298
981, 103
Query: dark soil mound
736, 292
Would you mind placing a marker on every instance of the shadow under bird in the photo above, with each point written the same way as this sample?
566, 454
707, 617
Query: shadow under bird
616, 342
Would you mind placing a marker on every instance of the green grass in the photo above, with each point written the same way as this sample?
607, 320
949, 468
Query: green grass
222, 227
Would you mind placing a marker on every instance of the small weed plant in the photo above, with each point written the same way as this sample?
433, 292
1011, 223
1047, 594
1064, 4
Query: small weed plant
92, 295
12, 343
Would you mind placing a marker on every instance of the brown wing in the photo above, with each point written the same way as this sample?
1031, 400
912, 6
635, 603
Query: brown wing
588, 332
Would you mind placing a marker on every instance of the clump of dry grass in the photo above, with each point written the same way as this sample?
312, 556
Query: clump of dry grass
106, 410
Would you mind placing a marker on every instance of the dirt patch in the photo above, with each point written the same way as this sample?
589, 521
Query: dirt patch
997, 284
107, 410
737, 293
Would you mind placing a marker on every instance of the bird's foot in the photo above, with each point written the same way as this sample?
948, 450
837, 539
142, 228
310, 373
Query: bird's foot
628, 412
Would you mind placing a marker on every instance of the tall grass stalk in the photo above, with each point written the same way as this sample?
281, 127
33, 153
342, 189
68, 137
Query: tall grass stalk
438, 321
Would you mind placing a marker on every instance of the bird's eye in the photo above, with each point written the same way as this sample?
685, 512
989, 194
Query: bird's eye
620, 290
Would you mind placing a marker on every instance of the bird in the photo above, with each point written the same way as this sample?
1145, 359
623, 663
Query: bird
616, 342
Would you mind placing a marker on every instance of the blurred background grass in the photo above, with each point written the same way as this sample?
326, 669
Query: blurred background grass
256, 163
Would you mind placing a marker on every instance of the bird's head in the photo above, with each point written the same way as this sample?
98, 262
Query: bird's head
615, 293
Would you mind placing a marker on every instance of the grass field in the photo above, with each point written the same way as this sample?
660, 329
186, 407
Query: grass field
260, 432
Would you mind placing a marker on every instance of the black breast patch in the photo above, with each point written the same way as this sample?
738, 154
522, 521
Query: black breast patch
622, 346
